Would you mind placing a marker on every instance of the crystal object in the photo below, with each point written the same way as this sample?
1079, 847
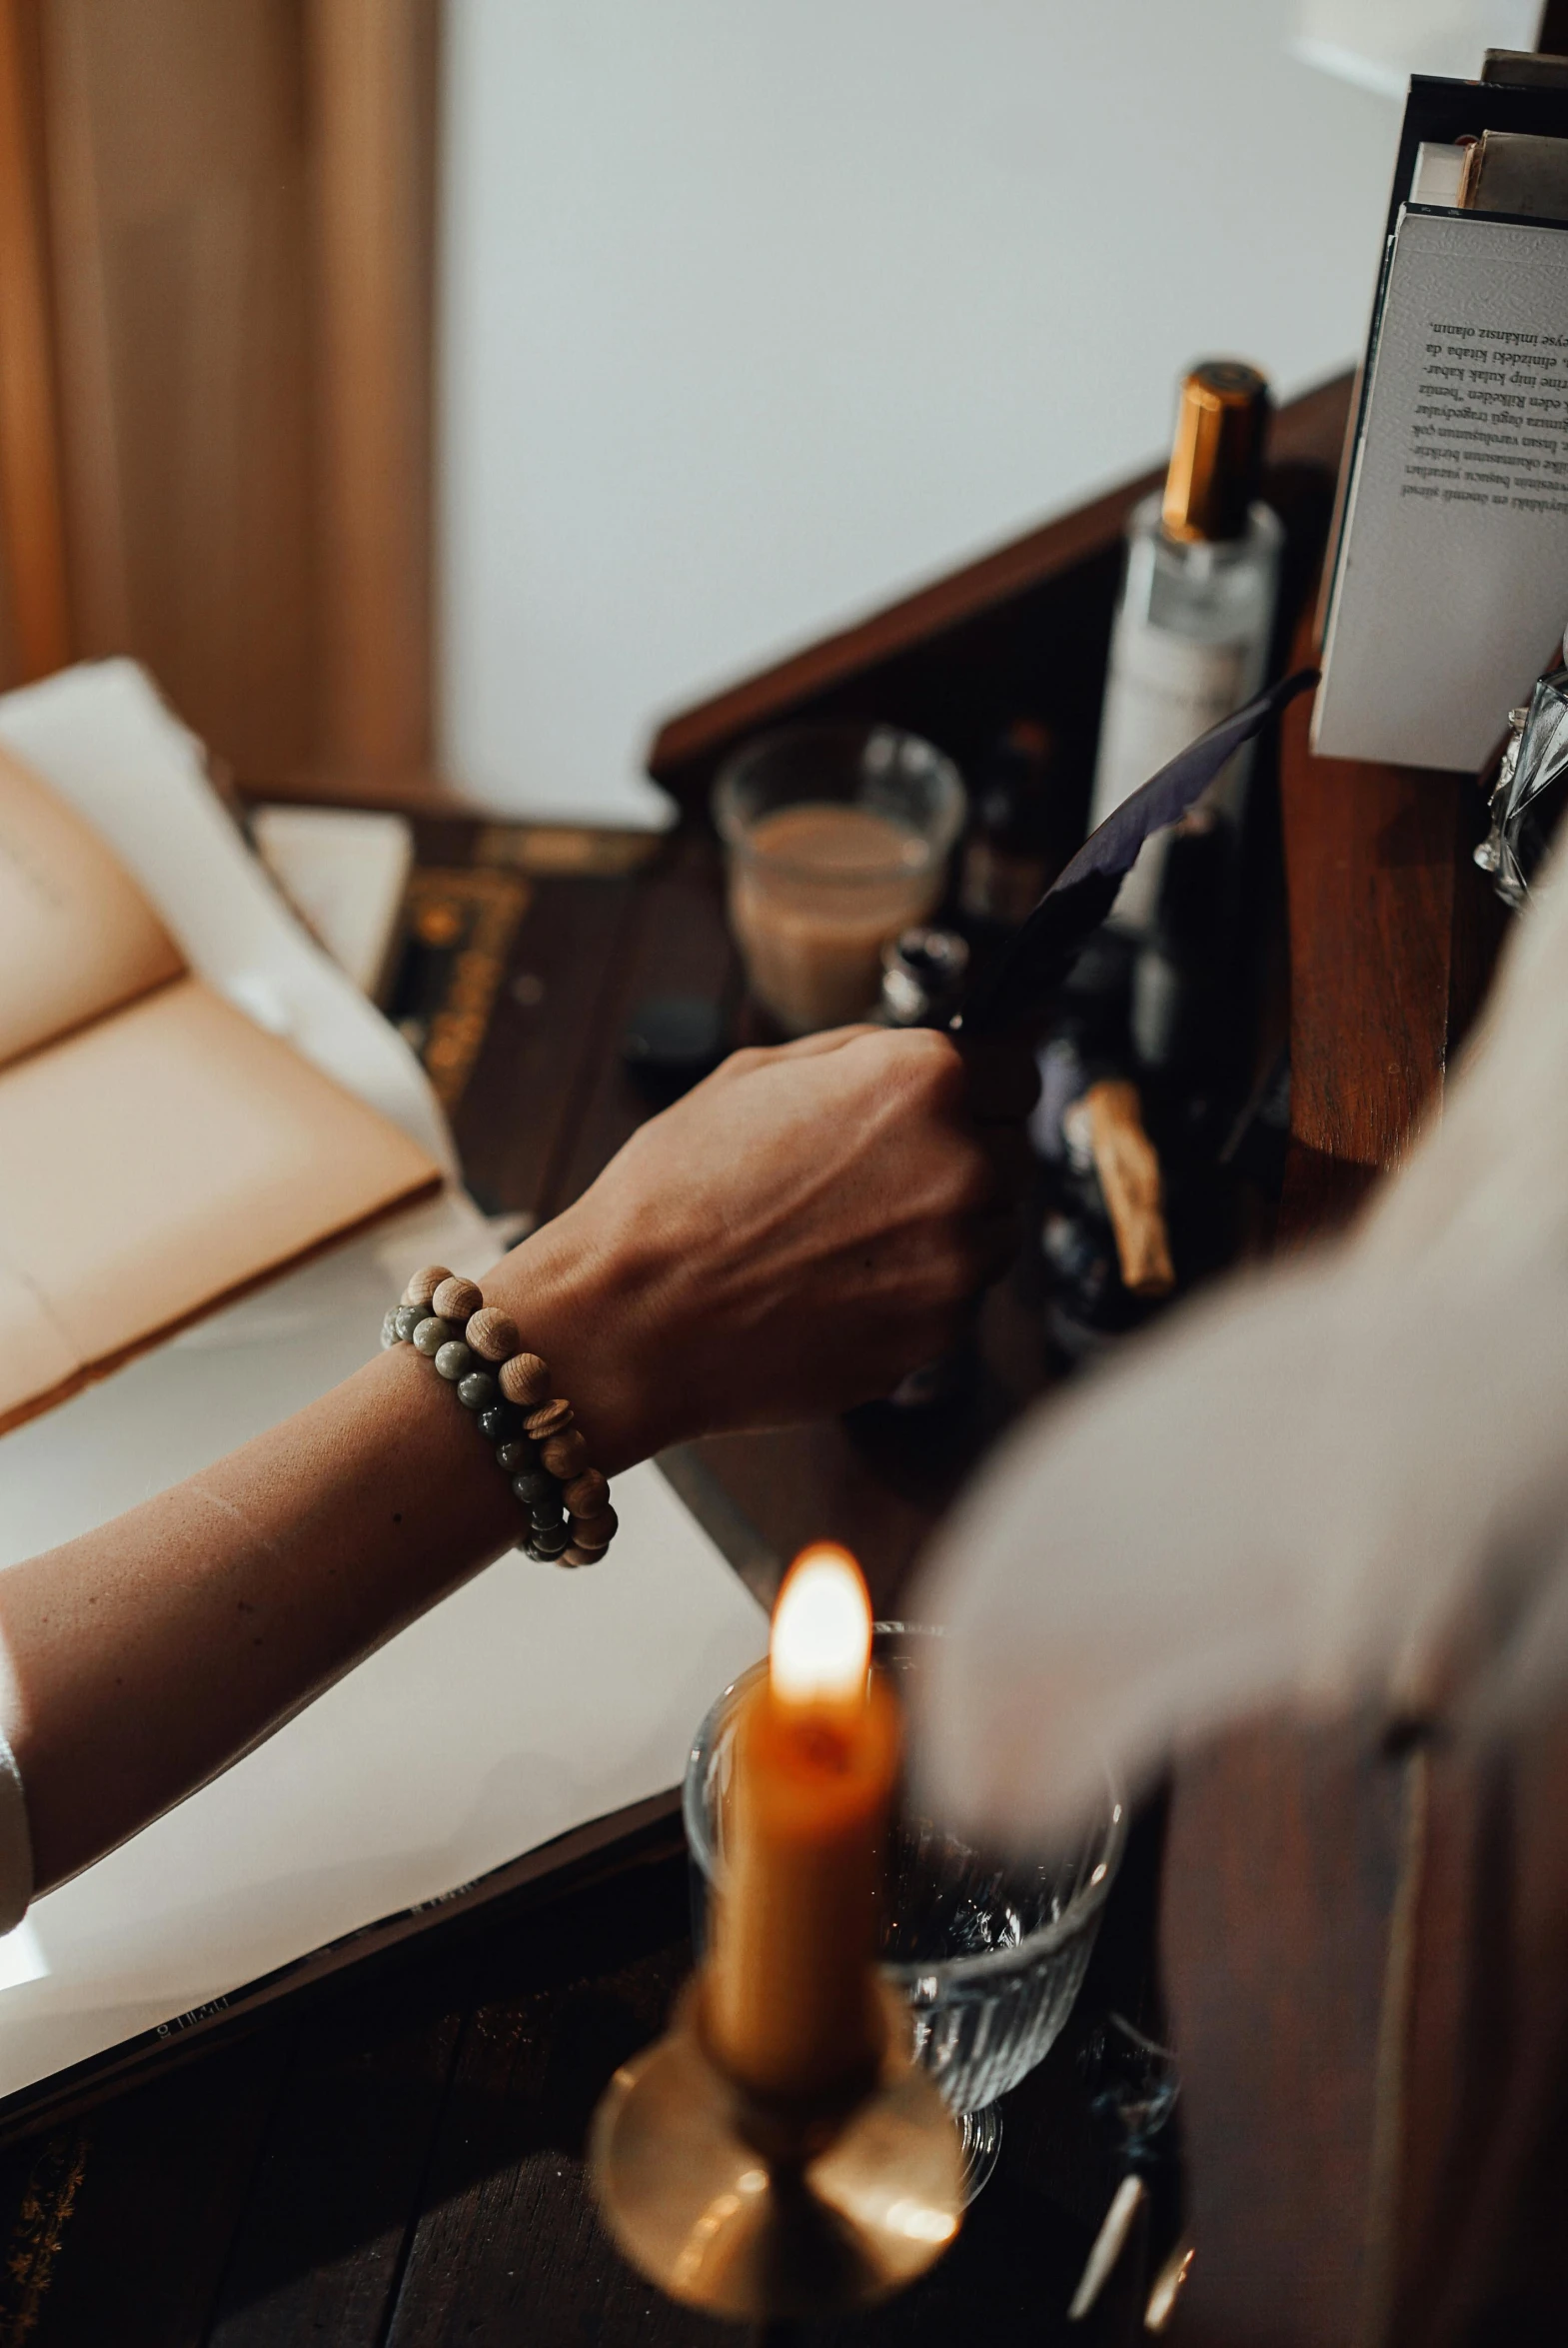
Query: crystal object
988, 1955
1530, 792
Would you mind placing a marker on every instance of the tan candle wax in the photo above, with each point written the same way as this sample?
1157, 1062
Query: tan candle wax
817, 891
789, 1999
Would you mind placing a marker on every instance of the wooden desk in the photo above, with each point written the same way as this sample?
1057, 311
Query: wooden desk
397, 2157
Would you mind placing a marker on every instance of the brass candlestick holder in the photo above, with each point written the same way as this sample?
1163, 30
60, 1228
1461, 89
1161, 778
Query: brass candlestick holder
766, 2212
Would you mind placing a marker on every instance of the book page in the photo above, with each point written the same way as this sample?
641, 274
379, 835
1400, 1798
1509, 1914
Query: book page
77, 937
528, 1704
157, 1161
1453, 577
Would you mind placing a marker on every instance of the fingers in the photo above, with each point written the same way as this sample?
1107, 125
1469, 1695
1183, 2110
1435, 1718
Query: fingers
826, 1039
813, 1047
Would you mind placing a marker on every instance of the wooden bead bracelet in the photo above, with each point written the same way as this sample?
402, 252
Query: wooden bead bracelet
537, 1445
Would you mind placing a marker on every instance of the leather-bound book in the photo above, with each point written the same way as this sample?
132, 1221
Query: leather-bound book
159, 1152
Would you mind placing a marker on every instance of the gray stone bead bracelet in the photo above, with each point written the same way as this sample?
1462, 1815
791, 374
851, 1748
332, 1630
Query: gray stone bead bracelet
537, 1445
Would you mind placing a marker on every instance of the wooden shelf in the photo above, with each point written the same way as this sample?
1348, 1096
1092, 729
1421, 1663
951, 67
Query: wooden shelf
1393, 934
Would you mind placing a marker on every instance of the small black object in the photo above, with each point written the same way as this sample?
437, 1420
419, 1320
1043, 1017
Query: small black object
670, 1041
1040, 955
1132, 2084
1007, 855
922, 976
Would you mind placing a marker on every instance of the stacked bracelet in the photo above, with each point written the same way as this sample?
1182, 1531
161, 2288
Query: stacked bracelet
538, 1445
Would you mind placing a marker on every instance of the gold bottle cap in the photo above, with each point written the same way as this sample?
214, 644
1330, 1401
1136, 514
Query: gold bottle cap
1219, 450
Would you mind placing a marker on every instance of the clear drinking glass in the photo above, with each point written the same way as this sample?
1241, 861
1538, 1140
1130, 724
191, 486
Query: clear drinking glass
988, 1956
838, 839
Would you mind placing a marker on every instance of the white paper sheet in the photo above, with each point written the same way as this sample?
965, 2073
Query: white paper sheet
528, 1704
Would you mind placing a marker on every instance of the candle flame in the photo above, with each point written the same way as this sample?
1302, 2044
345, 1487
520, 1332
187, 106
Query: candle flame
821, 1649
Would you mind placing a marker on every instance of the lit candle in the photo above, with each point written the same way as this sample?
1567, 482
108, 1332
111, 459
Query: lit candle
789, 2001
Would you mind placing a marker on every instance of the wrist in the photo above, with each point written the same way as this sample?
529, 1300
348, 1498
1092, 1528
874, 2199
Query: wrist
581, 1307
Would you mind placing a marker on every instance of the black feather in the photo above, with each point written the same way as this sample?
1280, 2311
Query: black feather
1039, 956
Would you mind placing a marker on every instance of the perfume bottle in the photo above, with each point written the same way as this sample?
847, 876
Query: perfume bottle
1191, 634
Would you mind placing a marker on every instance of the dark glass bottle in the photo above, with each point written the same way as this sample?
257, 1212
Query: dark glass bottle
1007, 856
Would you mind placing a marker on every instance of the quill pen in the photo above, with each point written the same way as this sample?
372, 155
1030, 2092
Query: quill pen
1039, 956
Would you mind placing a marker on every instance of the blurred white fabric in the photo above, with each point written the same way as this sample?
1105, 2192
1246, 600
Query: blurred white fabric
1344, 1476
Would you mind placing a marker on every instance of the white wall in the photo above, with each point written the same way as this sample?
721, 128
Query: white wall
1380, 43
758, 312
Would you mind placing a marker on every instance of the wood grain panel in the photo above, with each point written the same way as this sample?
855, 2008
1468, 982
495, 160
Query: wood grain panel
166, 2174
1484, 2170
508, 2232
178, 167
241, 204
317, 2255
1372, 878
370, 85
1393, 934
676, 942
31, 510
1369, 861
1283, 1866
517, 1124
95, 529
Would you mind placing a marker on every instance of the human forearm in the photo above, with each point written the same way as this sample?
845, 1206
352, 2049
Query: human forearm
792, 1239
149, 1653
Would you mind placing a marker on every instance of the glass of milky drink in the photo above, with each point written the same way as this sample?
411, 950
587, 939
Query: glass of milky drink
838, 839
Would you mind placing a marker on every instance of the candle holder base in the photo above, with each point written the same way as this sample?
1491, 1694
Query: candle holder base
693, 2203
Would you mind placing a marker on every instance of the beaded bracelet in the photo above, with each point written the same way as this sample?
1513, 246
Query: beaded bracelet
537, 1445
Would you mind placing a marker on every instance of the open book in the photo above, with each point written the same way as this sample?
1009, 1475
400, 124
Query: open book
159, 1152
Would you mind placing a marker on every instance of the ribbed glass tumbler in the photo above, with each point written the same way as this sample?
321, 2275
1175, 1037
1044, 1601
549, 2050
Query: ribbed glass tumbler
988, 1956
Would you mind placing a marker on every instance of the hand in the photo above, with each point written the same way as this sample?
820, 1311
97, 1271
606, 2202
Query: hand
791, 1238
